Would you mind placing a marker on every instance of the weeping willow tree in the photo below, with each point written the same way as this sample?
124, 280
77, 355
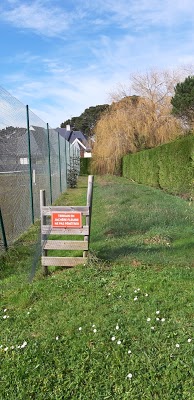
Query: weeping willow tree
134, 123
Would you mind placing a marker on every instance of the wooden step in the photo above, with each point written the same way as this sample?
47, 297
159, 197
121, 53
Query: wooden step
48, 230
63, 261
66, 245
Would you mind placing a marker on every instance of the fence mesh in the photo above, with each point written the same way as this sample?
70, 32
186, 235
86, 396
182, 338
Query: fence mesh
33, 156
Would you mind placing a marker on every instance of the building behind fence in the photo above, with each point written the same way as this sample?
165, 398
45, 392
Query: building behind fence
33, 156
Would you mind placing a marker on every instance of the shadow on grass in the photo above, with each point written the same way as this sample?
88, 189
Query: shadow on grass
119, 251
178, 254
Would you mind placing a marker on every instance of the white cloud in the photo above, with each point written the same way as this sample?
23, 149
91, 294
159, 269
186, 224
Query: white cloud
46, 18
37, 16
54, 102
143, 13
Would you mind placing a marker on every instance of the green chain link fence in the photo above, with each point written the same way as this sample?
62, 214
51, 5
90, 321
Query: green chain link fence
33, 156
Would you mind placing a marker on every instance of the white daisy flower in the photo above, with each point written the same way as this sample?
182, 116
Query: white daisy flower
129, 376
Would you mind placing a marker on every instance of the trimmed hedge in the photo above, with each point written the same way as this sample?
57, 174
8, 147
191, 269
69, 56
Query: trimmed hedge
169, 166
85, 166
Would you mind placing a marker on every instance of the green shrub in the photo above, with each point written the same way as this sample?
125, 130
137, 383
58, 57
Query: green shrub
169, 166
72, 178
142, 167
176, 170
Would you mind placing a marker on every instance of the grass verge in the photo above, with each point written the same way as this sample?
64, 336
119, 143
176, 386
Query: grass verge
120, 328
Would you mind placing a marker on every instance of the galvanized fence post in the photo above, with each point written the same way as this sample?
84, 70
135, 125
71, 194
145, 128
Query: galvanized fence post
3, 231
49, 162
30, 164
65, 164
69, 159
60, 181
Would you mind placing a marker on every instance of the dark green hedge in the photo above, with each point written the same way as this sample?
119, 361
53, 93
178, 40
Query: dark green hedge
85, 166
169, 166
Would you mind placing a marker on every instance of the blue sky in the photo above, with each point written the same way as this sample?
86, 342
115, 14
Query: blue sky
62, 56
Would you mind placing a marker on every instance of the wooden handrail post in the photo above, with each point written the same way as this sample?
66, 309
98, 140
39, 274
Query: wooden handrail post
89, 204
43, 222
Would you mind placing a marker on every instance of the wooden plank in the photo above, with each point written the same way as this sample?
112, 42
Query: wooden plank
47, 229
47, 210
65, 245
63, 261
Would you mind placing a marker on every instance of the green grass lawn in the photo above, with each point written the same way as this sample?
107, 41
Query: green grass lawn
120, 328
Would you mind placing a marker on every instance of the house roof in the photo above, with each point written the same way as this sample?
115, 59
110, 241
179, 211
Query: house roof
72, 135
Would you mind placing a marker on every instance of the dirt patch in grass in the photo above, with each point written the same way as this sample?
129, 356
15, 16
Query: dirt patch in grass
136, 263
157, 240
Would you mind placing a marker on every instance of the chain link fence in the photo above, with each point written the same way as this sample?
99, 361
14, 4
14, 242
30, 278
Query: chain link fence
33, 156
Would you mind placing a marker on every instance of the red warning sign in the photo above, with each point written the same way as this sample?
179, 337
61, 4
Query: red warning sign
66, 219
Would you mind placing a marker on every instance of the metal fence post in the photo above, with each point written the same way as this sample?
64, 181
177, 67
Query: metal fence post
65, 164
49, 162
60, 182
3, 231
69, 157
30, 164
